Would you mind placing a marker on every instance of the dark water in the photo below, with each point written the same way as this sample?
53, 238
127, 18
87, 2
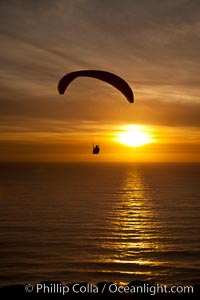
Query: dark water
94, 222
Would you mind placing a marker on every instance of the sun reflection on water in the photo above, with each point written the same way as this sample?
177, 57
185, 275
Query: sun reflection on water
134, 228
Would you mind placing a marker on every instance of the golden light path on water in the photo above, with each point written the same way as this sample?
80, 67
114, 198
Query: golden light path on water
134, 231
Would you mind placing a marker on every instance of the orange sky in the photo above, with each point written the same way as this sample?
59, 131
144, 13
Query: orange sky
155, 46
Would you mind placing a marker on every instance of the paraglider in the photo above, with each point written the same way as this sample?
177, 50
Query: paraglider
110, 78
96, 149
116, 81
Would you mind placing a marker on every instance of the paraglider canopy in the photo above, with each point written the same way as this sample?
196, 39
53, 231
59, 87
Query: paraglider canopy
116, 81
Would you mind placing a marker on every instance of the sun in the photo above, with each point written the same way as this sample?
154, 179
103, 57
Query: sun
134, 136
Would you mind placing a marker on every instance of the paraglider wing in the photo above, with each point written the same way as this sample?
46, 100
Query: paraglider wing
108, 77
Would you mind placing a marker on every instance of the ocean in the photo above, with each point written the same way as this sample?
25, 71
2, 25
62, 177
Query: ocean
91, 222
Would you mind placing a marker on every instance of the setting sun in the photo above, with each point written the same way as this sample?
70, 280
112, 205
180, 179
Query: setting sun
134, 136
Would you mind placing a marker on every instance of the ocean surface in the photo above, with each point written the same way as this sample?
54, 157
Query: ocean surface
95, 222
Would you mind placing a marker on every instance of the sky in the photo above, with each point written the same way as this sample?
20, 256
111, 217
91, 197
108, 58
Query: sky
153, 44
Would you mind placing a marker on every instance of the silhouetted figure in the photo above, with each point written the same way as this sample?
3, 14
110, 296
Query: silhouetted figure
96, 149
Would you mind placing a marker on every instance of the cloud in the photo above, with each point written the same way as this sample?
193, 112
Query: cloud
154, 45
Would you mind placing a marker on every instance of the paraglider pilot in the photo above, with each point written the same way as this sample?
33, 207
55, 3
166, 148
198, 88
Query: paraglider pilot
96, 149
